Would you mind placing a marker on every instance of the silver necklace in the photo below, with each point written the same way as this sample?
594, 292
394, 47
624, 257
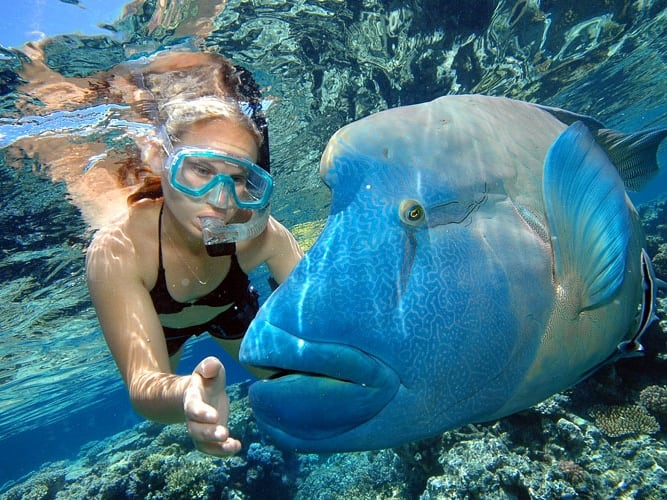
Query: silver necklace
180, 257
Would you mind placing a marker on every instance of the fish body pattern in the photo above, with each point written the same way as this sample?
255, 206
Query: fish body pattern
481, 254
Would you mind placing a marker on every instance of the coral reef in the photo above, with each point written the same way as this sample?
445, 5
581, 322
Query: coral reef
617, 421
153, 461
654, 399
654, 219
597, 440
380, 474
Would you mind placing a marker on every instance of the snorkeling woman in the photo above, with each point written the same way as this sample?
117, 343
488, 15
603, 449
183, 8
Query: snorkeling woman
178, 264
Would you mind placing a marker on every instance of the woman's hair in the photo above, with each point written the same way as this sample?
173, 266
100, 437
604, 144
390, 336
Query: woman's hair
178, 89
180, 114
151, 184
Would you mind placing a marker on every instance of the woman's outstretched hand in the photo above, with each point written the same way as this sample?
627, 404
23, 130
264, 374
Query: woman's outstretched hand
206, 407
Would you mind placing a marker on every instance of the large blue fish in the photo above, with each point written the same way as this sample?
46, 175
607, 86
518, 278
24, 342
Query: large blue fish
480, 255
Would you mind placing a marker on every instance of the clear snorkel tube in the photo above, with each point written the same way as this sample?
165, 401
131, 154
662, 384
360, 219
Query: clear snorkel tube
220, 238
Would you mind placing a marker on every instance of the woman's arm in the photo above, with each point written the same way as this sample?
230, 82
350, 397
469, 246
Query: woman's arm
283, 251
134, 334
132, 328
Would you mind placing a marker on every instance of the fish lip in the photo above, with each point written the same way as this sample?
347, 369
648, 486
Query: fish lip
321, 390
314, 359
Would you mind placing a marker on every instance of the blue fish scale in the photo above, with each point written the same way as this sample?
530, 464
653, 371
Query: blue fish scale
368, 300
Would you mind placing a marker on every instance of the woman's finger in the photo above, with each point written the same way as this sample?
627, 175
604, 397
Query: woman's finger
207, 432
229, 447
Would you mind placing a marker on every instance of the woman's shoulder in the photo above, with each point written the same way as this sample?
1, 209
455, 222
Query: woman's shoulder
134, 227
128, 243
142, 220
273, 233
279, 235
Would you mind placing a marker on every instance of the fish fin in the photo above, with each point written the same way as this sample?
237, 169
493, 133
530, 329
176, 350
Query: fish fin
587, 213
632, 348
569, 117
634, 155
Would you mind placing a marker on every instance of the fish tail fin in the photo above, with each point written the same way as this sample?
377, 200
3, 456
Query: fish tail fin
634, 155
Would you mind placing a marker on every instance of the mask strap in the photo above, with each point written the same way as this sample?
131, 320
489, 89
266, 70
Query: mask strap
249, 89
165, 140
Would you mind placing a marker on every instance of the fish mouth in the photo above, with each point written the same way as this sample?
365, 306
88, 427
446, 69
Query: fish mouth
320, 390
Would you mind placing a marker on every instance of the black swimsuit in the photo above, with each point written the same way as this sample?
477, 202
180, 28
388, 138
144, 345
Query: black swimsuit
232, 323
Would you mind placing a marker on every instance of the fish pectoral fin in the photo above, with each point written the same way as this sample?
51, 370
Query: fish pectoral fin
588, 215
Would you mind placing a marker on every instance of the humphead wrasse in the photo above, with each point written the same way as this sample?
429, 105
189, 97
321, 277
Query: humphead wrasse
481, 254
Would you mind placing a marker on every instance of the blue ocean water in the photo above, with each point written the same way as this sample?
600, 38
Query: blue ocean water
25, 450
326, 63
61, 438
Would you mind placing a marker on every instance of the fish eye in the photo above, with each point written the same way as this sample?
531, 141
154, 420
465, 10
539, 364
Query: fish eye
411, 212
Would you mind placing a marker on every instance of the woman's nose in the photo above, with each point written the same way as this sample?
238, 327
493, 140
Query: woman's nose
220, 198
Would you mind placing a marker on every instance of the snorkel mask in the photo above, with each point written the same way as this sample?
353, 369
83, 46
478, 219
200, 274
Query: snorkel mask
222, 180
251, 189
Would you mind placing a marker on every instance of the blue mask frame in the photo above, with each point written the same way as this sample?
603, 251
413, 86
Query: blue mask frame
261, 182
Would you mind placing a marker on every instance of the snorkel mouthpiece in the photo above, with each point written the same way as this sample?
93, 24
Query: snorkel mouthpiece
215, 237
220, 238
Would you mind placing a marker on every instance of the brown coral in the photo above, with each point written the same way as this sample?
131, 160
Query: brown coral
618, 421
574, 473
654, 399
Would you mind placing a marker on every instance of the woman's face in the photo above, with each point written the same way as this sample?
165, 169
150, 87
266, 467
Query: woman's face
219, 135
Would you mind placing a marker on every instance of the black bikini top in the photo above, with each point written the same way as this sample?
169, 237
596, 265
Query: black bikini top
233, 288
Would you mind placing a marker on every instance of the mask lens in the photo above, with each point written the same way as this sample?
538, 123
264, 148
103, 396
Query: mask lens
197, 172
255, 186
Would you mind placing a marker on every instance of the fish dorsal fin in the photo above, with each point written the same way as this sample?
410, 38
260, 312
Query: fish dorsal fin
635, 155
569, 117
587, 213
